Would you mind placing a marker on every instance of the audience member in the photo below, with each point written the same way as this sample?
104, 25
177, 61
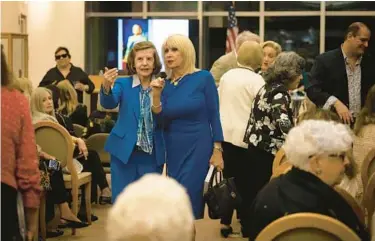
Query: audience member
152, 208
186, 109
43, 110
270, 120
351, 182
364, 130
19, 163
66, 70
132, 143
229, 60
317, 151
271, 50
341, 78
69, 105
238, 88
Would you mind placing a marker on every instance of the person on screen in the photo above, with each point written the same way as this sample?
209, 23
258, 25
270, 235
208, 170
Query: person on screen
137, 37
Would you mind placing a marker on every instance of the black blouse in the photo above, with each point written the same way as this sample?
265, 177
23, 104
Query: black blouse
76, 74
271, 118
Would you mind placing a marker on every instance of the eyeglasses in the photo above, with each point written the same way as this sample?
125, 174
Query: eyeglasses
342, 156
57, 57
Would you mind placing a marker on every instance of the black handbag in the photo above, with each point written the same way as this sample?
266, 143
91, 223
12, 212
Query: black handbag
222, 197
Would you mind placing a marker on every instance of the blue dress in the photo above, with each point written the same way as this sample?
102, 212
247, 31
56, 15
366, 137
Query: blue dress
191, 124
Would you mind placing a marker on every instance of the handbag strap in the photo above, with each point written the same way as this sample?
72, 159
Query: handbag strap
217, 176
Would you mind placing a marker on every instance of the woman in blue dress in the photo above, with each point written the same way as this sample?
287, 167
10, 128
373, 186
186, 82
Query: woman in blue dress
186, 107
132, 142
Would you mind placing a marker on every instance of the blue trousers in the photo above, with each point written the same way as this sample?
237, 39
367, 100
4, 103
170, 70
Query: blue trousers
139, 164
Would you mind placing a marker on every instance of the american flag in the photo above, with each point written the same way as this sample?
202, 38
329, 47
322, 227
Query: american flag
232, 30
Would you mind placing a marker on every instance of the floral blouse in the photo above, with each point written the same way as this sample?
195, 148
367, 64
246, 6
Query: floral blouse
271, 118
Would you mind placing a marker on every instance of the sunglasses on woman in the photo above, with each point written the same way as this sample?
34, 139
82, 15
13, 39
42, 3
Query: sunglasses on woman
57, 57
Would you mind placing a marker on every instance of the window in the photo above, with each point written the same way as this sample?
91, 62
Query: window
350, 6
299, 34
215, 32
173, 6
113, 6
223, 6
336, 28
292, 6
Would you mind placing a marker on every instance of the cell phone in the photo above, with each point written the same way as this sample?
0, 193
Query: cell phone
54, 165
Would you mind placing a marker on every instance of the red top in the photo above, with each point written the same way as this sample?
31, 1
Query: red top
19, 162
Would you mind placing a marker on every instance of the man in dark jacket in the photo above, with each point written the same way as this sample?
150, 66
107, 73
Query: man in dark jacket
340, 78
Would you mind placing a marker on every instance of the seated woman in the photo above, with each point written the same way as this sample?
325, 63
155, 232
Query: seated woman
351, 181
152, 208
317, 150
69, 105
56, 194
42, 110
364, 130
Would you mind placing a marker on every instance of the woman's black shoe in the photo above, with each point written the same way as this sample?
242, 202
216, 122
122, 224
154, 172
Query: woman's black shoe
105, 200
83, 217
226, 231
74, 224
54, 234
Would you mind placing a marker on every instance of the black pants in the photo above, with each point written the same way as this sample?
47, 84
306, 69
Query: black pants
236, 164
9, 217
57, 195
259, 172
94, 165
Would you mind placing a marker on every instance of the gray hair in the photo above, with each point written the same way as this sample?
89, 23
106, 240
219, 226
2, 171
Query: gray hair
154, 206
287, 66
316, 137
246, 36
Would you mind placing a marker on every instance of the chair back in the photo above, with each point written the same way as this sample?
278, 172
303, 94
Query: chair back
368, 166
307, 227
78, 130
369, 200
96, 142
55, 140
358, 210
279, 159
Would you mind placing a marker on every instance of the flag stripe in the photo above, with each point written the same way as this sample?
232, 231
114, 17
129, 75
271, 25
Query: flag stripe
232, 30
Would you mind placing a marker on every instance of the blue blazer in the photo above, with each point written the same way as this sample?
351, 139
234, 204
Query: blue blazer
123, 137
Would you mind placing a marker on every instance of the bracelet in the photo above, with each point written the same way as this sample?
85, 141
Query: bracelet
219, 148
157, 106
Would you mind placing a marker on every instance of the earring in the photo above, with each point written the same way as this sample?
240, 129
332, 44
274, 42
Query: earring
318, 172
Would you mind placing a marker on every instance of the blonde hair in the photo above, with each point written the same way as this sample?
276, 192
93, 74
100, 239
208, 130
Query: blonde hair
273, 45
68, 97
187, 50
37, 109
25, 86
250, 54
153, 208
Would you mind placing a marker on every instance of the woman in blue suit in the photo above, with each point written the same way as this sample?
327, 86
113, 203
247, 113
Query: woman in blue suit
187, 111
131, 143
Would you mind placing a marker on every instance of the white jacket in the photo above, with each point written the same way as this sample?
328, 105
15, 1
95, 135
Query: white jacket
238, 88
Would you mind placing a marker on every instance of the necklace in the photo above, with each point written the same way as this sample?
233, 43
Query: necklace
177, 80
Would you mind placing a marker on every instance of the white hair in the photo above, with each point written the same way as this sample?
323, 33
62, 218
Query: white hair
246, 36
154, 208
315, 137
